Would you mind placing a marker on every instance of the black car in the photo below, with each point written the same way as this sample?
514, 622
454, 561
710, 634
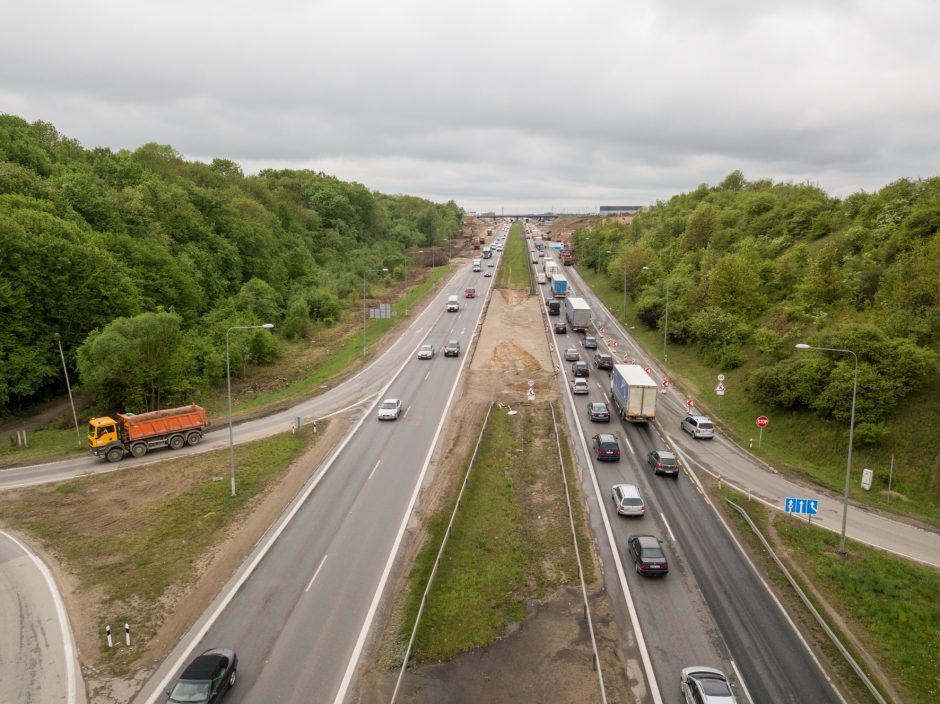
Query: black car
664, 462
206, 679
598, 411
580, 368
602, 360
606, 447
648, 555
561, 327
452, 348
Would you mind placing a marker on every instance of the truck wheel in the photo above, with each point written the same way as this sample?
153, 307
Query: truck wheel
115, 454
176, 442
193, 438
139, 449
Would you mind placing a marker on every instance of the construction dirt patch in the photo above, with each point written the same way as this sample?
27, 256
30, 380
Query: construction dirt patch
549, 656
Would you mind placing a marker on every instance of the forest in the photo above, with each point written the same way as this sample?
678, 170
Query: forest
746, 270
138, 262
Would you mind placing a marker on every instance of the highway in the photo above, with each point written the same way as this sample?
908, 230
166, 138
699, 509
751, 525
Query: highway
299, 619
712, 608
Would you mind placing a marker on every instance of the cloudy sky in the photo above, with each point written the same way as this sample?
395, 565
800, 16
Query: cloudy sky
510, 105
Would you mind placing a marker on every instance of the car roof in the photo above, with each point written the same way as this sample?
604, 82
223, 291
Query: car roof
664, 453
205, 666
391, 400
646, 541
598, 403
628, 489
699, 418
606, 437
453, 342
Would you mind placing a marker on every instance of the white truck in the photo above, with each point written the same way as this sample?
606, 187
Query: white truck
477, 264
633, 392
578, 313
540, 277
550, 266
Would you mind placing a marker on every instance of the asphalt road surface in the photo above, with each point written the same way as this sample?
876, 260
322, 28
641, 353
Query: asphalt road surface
299, 619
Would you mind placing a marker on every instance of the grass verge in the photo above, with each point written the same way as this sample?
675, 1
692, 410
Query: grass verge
510, 543
514, 271
888, 604
133, 536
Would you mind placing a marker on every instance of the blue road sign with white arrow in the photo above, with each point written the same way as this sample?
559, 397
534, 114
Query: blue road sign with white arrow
810, 506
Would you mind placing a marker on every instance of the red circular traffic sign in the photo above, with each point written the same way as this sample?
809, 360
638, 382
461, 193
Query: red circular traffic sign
762, 422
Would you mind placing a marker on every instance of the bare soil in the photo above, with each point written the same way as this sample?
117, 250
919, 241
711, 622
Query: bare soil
549, 656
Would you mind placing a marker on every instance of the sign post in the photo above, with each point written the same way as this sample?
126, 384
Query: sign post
762, 422
720, 389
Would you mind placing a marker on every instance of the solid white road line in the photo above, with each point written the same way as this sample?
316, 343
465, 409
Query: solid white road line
377, 463
668, 528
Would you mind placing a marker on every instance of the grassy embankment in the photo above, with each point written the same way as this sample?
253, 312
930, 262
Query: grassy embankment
514, 271
498, 556
327, 356
889, 604
133, 543
800, 442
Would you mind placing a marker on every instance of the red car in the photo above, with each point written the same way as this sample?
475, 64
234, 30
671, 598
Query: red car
470, 293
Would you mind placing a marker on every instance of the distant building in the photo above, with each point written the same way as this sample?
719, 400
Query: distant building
619, 210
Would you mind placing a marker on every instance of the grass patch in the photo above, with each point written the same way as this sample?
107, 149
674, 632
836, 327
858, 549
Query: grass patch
888, 603
510, 543
514, 270
798, 441
135, 535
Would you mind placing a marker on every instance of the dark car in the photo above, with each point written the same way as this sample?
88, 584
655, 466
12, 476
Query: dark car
561, 327
598, 411
554, 307
647, 554
590, 343
602, 360
452, 348
580, 368
664, 462
606, 447
207, 678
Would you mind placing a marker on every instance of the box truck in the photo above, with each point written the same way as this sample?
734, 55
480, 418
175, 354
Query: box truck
633, 393
136, 434
578, 313
559, 286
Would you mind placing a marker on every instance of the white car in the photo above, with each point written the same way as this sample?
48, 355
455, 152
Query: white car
706, 685
390, 409
579, 385
426, 352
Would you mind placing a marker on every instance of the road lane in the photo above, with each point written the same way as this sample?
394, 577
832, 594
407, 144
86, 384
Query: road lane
295, 635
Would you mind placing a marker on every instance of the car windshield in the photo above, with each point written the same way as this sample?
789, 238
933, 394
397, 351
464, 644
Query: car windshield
191, 691
714, 687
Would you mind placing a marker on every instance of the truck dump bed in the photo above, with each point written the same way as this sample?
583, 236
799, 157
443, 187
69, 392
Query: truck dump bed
163, 422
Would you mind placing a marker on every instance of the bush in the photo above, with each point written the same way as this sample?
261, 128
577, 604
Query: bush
868, 434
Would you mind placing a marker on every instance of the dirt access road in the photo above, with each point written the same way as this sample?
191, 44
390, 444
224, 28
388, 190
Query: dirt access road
548, 656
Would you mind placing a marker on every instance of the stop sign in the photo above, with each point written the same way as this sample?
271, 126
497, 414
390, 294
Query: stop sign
762, 422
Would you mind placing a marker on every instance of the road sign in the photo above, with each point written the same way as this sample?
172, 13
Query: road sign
721, 377
762, 422
689, 403
531, 382
720, 389
793, 505
531, 394
648, 370
665, 383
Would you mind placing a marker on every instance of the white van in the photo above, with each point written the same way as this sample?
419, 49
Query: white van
540, 277
453, 304
476, 264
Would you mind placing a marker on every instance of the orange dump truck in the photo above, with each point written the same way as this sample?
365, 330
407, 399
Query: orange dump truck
137, 434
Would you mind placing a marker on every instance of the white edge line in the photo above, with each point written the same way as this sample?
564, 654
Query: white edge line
377, 463
223, 604
376, 598
618, 563
313, 578
737, 673
668, 527
67, 645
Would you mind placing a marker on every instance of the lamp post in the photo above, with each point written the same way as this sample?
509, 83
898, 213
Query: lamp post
848, 466
624, 291
58, 339
366, 271
228, 378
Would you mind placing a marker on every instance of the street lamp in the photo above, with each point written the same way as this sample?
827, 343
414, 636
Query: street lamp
665, 317
58, 339
366, 271
848, 466
228, 377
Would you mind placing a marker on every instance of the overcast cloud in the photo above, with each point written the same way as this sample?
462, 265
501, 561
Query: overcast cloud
530, 105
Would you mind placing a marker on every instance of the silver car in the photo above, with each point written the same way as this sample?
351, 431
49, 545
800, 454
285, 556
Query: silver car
706, 685
390, 409
426, 352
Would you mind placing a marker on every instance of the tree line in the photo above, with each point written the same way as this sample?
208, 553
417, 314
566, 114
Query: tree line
750, 268
142, 260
